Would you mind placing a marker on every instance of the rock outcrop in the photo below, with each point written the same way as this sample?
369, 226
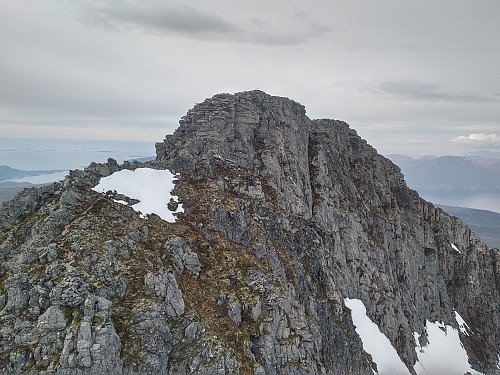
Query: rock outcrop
284, 217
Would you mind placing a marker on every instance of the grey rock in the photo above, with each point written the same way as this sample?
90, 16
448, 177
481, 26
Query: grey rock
52, 252
234, 312
193, 331
16, 294
164, 286
69, 198
70, 291
184, 257
134, 236
51, 320
369, 236
295, 215
172, 205
256, 309
192, 263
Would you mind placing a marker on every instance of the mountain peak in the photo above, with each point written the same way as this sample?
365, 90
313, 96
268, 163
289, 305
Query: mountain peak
296, 245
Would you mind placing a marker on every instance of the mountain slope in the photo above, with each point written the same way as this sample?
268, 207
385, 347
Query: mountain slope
285, 219
485, 223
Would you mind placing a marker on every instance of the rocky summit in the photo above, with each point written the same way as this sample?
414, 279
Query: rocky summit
288, 226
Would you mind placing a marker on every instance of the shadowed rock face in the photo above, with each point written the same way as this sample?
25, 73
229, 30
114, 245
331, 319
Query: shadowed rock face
284, 217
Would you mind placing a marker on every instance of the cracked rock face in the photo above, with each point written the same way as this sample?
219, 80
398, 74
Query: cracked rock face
284, 217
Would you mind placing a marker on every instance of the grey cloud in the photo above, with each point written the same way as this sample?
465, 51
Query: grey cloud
181, 19
162, 18
417, 90
409, 88
273, 38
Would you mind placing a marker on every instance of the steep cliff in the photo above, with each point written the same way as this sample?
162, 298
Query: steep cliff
284, 218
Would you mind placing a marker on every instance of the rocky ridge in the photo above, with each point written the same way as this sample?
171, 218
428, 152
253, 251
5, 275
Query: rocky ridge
284, 217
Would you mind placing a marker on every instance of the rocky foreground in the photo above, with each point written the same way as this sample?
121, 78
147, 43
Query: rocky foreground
284, 218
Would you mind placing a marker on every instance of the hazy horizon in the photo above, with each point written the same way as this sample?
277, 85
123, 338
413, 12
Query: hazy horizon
31, 153
51, 154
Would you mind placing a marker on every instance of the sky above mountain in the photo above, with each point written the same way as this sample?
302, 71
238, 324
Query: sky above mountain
410, 77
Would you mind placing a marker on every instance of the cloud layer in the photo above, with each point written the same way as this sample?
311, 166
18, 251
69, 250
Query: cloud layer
416, 90
408, 76
480, 139
180, 19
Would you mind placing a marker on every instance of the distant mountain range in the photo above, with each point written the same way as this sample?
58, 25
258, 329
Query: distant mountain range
488, 154
7, 174
450, 172
9, 187
472, 181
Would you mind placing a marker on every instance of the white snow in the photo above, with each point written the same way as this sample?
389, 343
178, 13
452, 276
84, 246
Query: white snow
150, 186
454, 247
374, 341
461, 324
444, 354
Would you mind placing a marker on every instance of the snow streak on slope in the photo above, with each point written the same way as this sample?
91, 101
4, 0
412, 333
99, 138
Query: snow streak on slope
374, 341
454, 247
443, 354
150, 186
461, 324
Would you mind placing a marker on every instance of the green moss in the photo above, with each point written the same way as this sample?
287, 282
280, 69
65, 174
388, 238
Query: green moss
3, 278
4, 360
22, 349
35, 270
296, 365
41, 218
35, 368
308, 313
291, 339
68, 313
175, 323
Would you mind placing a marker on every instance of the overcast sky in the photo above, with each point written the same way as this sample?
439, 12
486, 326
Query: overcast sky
411, 77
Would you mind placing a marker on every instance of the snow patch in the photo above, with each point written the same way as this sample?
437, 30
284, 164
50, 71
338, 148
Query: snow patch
150, 186
374, 341
461, 324
444, 353
454, 247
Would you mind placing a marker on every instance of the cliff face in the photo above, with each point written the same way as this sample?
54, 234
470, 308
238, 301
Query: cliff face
284, 218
